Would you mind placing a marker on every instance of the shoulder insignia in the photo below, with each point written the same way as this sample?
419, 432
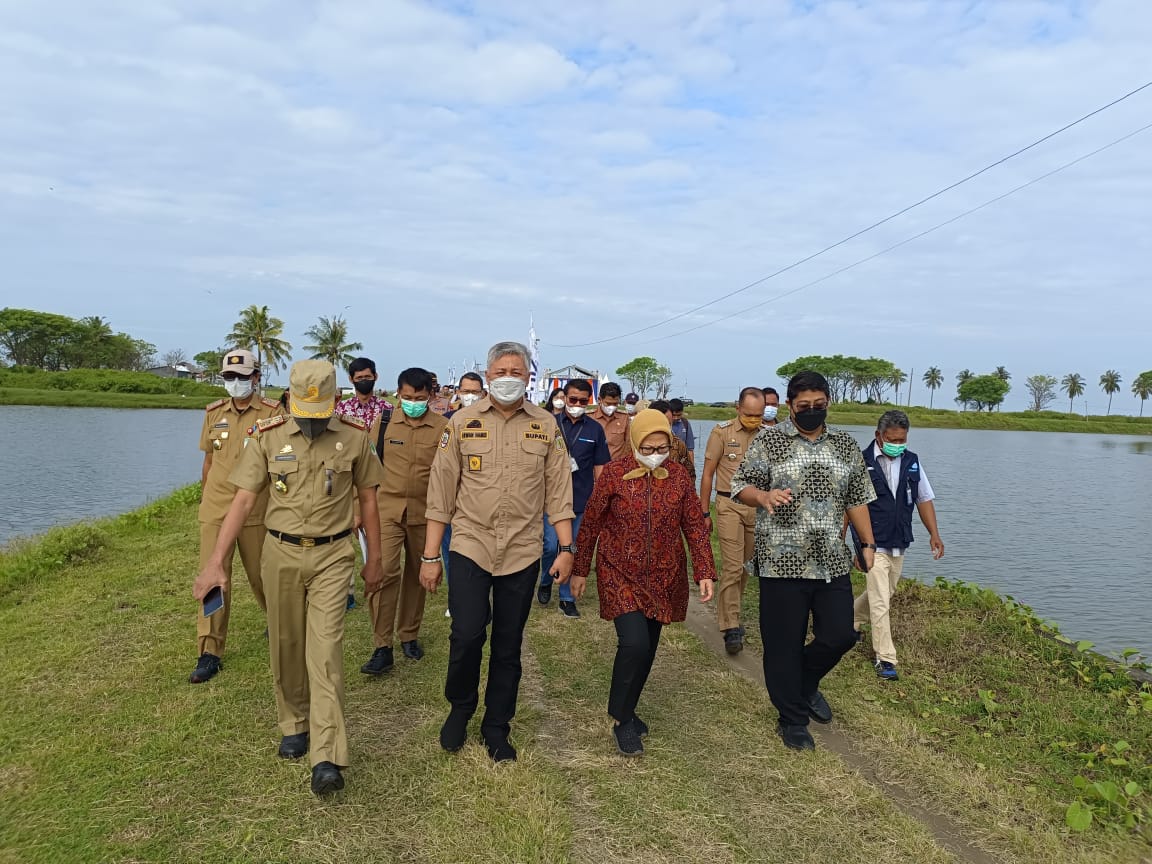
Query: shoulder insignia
353, 421
270, 403
726, 424
270, 423
216, 404
446, 437
558, 442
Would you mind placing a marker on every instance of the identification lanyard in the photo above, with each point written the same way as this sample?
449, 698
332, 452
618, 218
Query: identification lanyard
579, 427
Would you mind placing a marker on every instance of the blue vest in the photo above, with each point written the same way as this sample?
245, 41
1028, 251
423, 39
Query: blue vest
892, 514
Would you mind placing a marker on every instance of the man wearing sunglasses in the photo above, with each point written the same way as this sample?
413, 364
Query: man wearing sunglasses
587, 456
228, 424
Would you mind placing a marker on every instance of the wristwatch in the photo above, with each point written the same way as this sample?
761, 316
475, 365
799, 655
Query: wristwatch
871, 546
571, 547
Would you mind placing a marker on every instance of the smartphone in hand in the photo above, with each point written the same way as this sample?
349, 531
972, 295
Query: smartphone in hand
213, 601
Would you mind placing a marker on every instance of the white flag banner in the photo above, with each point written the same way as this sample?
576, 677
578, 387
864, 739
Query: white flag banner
534, 364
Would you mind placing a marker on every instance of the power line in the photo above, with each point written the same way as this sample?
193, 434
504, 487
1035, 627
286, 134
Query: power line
907, 240
866, 229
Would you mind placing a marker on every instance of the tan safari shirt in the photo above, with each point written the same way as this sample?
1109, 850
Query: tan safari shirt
493, 479
408, 450
225, 434
727, 444
615, 430
311, 483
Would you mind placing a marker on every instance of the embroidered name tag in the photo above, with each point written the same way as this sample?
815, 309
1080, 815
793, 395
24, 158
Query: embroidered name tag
223, 425
468, 435
291, 457
538, 436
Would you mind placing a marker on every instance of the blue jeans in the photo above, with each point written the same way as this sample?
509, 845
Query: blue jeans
444, 544
551, 550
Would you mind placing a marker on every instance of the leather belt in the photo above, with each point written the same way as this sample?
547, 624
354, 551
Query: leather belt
723, 494
308, 542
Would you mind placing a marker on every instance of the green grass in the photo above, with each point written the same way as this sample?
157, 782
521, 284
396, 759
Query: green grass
854, 414
96, 399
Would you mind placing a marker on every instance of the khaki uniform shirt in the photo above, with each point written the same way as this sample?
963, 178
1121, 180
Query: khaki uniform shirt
225, 434
615, 430
409, 447
312, 482
493, 479
439, 405
727, 444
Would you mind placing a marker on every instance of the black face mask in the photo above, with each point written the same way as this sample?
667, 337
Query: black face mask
364, 387
810, 420
310, 428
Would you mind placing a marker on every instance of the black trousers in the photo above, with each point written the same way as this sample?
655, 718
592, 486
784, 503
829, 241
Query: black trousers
637, 638
476, 597
792, 670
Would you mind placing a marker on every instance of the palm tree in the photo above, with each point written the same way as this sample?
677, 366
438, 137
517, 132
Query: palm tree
1110, 383
933, 378
962, 376
329, 343
259, 332
1002, 373
1142, 387
1072, 385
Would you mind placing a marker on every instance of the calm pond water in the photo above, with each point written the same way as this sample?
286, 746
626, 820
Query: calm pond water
1059, 521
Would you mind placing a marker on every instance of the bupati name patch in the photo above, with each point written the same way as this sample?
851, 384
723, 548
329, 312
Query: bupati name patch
538, 436
470, 435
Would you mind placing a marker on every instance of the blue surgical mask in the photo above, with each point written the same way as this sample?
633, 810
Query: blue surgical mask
770, 411
892, 451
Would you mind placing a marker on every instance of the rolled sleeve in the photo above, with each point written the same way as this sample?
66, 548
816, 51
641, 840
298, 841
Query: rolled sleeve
755, 470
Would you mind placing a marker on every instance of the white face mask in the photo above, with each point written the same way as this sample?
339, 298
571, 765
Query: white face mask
507, 390
238, 388
557, 403
651, 462
608, 409
631, 409
576, 411
467, 399
770, 412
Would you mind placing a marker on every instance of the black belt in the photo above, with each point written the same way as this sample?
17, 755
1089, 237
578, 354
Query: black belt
723, 494
308, 542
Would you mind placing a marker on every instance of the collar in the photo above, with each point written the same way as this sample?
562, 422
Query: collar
789, 428
486, 404
422, 420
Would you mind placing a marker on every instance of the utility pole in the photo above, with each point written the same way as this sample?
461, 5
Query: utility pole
911, 378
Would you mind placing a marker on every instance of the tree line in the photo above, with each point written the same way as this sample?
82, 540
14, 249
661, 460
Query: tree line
43, 340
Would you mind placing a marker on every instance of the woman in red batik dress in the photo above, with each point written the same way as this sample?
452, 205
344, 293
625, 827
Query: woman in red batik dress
638, 511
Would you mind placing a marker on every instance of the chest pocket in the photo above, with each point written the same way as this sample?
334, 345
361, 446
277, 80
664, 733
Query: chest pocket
284, 476
535, 449
335, 478
475, 446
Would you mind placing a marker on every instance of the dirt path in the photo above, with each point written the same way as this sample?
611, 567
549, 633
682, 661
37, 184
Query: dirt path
702, 622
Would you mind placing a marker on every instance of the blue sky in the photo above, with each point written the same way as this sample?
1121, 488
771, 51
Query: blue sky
445, 170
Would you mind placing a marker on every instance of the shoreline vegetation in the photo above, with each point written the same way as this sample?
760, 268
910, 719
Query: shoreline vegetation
1031, 747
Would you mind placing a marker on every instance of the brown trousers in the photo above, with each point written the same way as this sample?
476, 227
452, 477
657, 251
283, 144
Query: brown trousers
400, 549
211, 632
307, 590
735, 526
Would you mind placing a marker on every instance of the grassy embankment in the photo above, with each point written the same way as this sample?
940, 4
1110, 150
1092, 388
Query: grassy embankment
855, 414
108, 755
102, 388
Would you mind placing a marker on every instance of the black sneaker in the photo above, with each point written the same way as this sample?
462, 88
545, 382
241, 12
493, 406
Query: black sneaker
819, 709
795, 737
293, 746
628, 739
454, 732
380, 663
500, 749
326, 779
544, 595
568, 607
206, 667
412, 650
733, 640
640, 725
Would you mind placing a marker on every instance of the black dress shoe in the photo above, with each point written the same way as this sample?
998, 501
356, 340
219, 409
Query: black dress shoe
544, 595
568, 607
500, 749
293, 746
795, 737
326, 779
206, 667
412, 650
733, 640
380, 663
819, 709
628, 739
454, 732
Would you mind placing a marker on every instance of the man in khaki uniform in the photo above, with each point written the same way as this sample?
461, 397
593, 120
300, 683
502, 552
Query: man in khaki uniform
315, 467
406, 447
614, 421
735, 522
228, 424
500, 466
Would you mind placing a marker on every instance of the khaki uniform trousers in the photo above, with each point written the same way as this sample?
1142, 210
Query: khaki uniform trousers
307, 591
401, 588
736, 528
874, 603
211, 632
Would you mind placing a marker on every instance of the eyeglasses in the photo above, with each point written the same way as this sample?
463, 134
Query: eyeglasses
232, 376
801, 407
663, 450
576, 400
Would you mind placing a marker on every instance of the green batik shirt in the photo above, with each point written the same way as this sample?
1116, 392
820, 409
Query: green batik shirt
827, 476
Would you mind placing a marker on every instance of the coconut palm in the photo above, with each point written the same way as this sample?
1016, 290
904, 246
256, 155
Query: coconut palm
933, 378
1110, 383
1142, 387
962, 377
1002, 373
1072, 385
329, 341
260, 333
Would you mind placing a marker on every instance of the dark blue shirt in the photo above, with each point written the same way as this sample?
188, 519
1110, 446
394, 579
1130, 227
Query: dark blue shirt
588, 446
